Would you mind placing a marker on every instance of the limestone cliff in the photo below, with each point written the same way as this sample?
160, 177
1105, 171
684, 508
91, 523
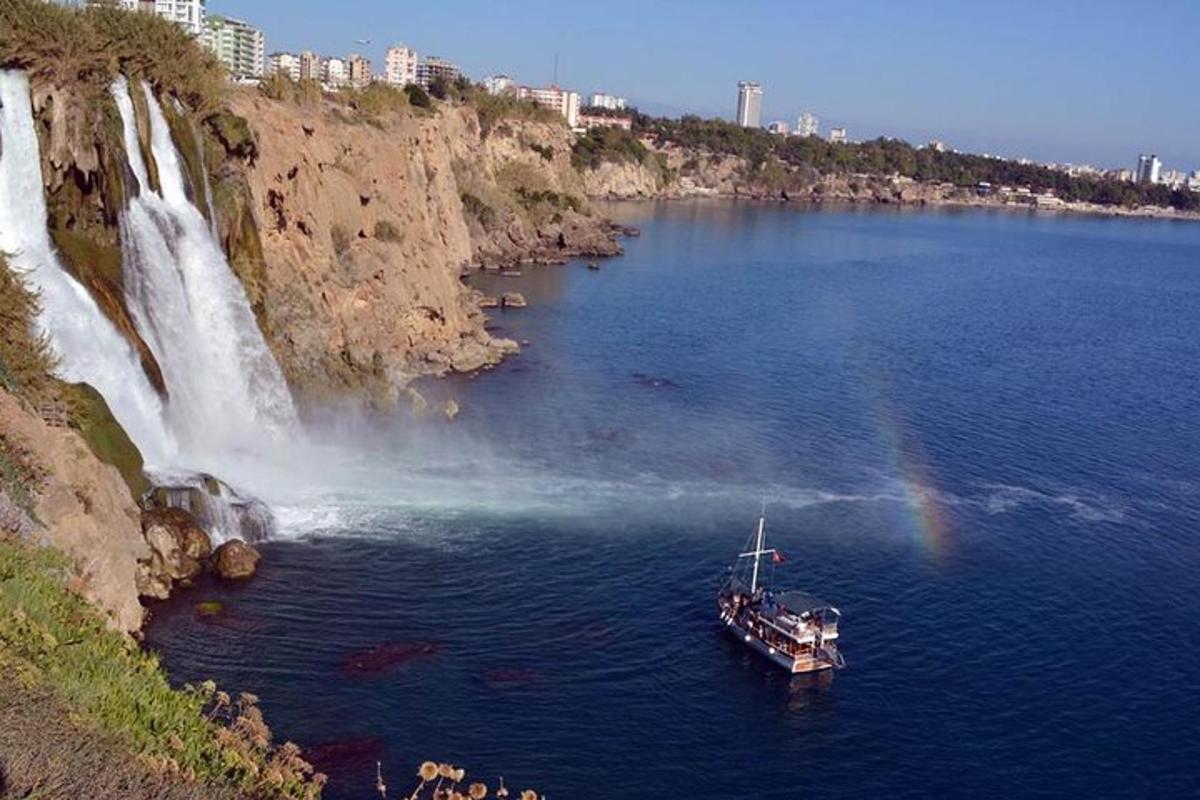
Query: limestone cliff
79, 505
368, 223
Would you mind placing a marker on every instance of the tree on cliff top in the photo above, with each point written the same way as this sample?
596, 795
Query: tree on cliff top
26, 358
85, 49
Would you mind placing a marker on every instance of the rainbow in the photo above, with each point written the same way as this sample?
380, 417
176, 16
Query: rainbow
924, 514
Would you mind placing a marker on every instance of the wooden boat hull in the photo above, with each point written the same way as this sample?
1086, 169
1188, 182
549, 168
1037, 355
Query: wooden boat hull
795, 666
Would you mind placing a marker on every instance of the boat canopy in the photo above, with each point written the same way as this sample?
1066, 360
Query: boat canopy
799, 602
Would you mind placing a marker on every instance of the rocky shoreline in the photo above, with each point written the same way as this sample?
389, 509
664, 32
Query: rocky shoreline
695, 174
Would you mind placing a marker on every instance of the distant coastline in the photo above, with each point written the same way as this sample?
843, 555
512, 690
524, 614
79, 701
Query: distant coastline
675, 174
980, 203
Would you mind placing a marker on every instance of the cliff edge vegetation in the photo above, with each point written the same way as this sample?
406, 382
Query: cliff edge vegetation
85, 49
717, 157
86, 713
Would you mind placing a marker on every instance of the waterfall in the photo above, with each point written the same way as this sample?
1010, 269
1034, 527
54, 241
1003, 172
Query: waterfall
88, 345
227, 392
208, 195
228, 410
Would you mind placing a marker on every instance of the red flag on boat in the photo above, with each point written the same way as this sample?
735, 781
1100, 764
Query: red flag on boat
777, 558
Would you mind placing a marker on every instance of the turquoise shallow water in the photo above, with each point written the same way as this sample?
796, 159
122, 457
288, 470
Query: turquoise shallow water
976, 436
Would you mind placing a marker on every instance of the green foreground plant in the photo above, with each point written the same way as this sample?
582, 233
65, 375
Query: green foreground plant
50, 636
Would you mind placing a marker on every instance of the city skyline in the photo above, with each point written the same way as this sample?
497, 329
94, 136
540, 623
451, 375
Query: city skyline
1040, 84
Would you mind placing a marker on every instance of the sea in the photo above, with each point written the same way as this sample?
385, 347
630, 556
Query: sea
973, 432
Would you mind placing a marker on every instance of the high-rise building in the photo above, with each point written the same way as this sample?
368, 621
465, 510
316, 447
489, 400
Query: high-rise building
837, 135
749, 106
360, 71
1149, 169
563, 101
499, 84
432, 68
187, 13
239, 45
287, 64
310, 66
400, 65
808, 125
605, 100
335, 72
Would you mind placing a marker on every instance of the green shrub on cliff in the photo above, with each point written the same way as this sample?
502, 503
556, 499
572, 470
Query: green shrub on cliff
51, 637
26, 358
305, 93
377, 100
599, 145
87, 48
493, 109
418, 97
26, 366
386, 232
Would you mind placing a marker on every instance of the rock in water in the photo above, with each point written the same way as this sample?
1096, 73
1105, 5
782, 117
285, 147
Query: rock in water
178, 548
236, 560
217, 507
450, 408
512, 300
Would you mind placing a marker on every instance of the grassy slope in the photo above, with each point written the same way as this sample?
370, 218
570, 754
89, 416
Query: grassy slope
54, 645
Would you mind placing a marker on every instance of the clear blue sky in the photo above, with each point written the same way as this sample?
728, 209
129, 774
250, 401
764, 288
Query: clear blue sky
1066, 80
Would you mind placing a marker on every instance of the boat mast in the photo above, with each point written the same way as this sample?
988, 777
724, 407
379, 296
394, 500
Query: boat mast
758, 551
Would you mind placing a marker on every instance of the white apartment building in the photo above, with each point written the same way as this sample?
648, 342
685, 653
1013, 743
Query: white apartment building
310, 66
808, 125
335, 72
361, 74
400, 65
1149, 169
837, 135
187, 13
749, 105
499, 84
432, 68
563, 101
778, 127
239, 45
287, 64
609, 101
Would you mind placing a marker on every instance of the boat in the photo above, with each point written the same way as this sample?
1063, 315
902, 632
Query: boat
793, 629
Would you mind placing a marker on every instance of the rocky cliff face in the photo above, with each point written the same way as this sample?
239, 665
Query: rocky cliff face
79, 505
624, 180
367, 225
697, 173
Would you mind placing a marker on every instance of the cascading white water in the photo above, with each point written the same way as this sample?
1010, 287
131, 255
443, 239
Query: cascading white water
228, 404
226, 390
87, 343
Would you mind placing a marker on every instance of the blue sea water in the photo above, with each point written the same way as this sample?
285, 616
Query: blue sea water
975, 434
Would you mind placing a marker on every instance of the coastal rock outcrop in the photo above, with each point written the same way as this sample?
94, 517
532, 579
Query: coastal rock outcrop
179, 548
82, 507
367, 223
512, 300
235, 560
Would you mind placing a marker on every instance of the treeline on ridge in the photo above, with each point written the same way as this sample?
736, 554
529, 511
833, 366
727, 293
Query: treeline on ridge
880, 156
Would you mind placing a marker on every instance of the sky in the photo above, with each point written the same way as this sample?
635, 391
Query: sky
1079, 81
